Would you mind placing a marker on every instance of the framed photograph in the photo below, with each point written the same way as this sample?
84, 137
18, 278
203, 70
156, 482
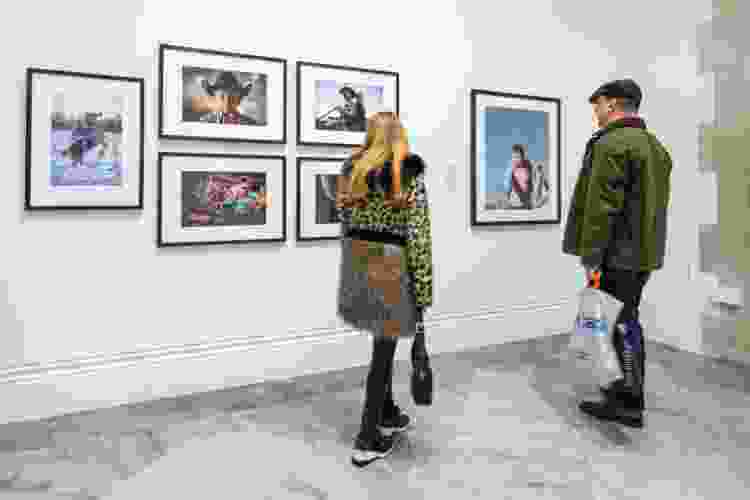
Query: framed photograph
84, 141
221, 96
515, 159
220, 198
317, 218
334, 102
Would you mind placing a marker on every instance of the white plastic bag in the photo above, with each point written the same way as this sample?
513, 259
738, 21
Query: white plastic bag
591, 344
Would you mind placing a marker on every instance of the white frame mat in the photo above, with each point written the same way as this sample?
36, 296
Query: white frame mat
308, 73
171, 166
550, 211
82, 93
173, 58
307, 169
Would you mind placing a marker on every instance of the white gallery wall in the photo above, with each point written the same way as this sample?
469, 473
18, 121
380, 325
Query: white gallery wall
93, 315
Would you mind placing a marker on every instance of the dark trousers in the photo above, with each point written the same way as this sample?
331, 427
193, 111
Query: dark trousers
627, 287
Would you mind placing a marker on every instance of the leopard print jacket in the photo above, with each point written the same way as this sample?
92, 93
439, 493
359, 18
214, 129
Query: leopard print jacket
411, 224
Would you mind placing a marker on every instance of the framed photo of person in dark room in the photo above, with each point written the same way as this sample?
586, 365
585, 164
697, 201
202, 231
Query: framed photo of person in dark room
515, 159
84, 141
317, 218
334, 102
221, 96
220, 198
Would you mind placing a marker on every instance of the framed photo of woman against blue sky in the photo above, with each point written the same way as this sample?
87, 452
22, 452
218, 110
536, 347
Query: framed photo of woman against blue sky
515, 159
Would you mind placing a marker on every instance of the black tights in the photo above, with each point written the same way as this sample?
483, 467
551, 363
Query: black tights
379, 384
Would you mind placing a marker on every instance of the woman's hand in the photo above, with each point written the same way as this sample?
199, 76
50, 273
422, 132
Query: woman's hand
401, 200
348, 200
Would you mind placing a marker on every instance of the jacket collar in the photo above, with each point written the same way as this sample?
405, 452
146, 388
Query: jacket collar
626, 122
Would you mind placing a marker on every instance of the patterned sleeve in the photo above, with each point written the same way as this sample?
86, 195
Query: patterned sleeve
419, 245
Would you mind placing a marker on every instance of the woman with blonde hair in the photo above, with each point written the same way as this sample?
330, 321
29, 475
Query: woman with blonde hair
386, 266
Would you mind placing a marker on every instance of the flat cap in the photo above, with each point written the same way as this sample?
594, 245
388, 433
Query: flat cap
626, 89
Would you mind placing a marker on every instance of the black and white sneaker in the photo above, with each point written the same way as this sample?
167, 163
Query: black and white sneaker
366, 451
394, 421
610, 411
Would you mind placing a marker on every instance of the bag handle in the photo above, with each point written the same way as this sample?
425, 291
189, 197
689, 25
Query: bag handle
596, 280
418, 347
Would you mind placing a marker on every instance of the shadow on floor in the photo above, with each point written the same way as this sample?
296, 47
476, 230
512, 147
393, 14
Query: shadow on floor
562, 387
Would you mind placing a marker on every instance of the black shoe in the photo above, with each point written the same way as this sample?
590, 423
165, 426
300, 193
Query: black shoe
607, 410
394, 420
367, 450
617, 391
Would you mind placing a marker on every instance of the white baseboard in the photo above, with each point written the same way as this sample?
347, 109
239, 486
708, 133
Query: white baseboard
33, 392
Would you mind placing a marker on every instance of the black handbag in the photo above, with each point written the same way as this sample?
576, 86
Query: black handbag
421, 375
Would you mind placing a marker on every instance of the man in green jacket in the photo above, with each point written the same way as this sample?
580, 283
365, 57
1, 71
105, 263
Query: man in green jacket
617, 225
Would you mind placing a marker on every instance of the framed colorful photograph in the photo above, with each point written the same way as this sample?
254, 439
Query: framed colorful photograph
221, 96
334, 102
317, 218
220, 198
84, 141
515, 159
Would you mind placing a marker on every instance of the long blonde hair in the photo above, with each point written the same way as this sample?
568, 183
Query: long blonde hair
385, 136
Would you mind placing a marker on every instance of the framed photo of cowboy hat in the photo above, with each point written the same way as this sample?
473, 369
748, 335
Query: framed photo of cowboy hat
334, 102
208, 199
515, 159
221, 96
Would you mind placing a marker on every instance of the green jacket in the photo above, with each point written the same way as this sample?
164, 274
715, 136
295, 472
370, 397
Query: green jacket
618, 214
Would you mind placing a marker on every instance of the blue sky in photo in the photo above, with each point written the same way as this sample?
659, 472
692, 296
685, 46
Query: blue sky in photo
502, 129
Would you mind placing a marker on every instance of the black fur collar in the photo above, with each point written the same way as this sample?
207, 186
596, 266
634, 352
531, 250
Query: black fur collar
412, 166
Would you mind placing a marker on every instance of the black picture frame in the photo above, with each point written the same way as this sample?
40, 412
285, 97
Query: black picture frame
556, 135
164, 47
161, 242
307, 64
336, 162
29, 204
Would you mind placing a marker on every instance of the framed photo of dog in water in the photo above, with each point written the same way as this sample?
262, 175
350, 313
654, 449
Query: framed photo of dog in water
221, 96
317, 217
220, 198
334, 102
515, 159
84, 141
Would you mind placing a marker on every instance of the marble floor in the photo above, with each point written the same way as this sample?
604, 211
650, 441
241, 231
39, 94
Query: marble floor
504, 425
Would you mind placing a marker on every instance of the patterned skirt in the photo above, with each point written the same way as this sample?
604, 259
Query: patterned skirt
376, 291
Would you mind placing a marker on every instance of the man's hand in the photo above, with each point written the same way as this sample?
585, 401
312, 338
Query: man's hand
264, 200
593, 275
589, 273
